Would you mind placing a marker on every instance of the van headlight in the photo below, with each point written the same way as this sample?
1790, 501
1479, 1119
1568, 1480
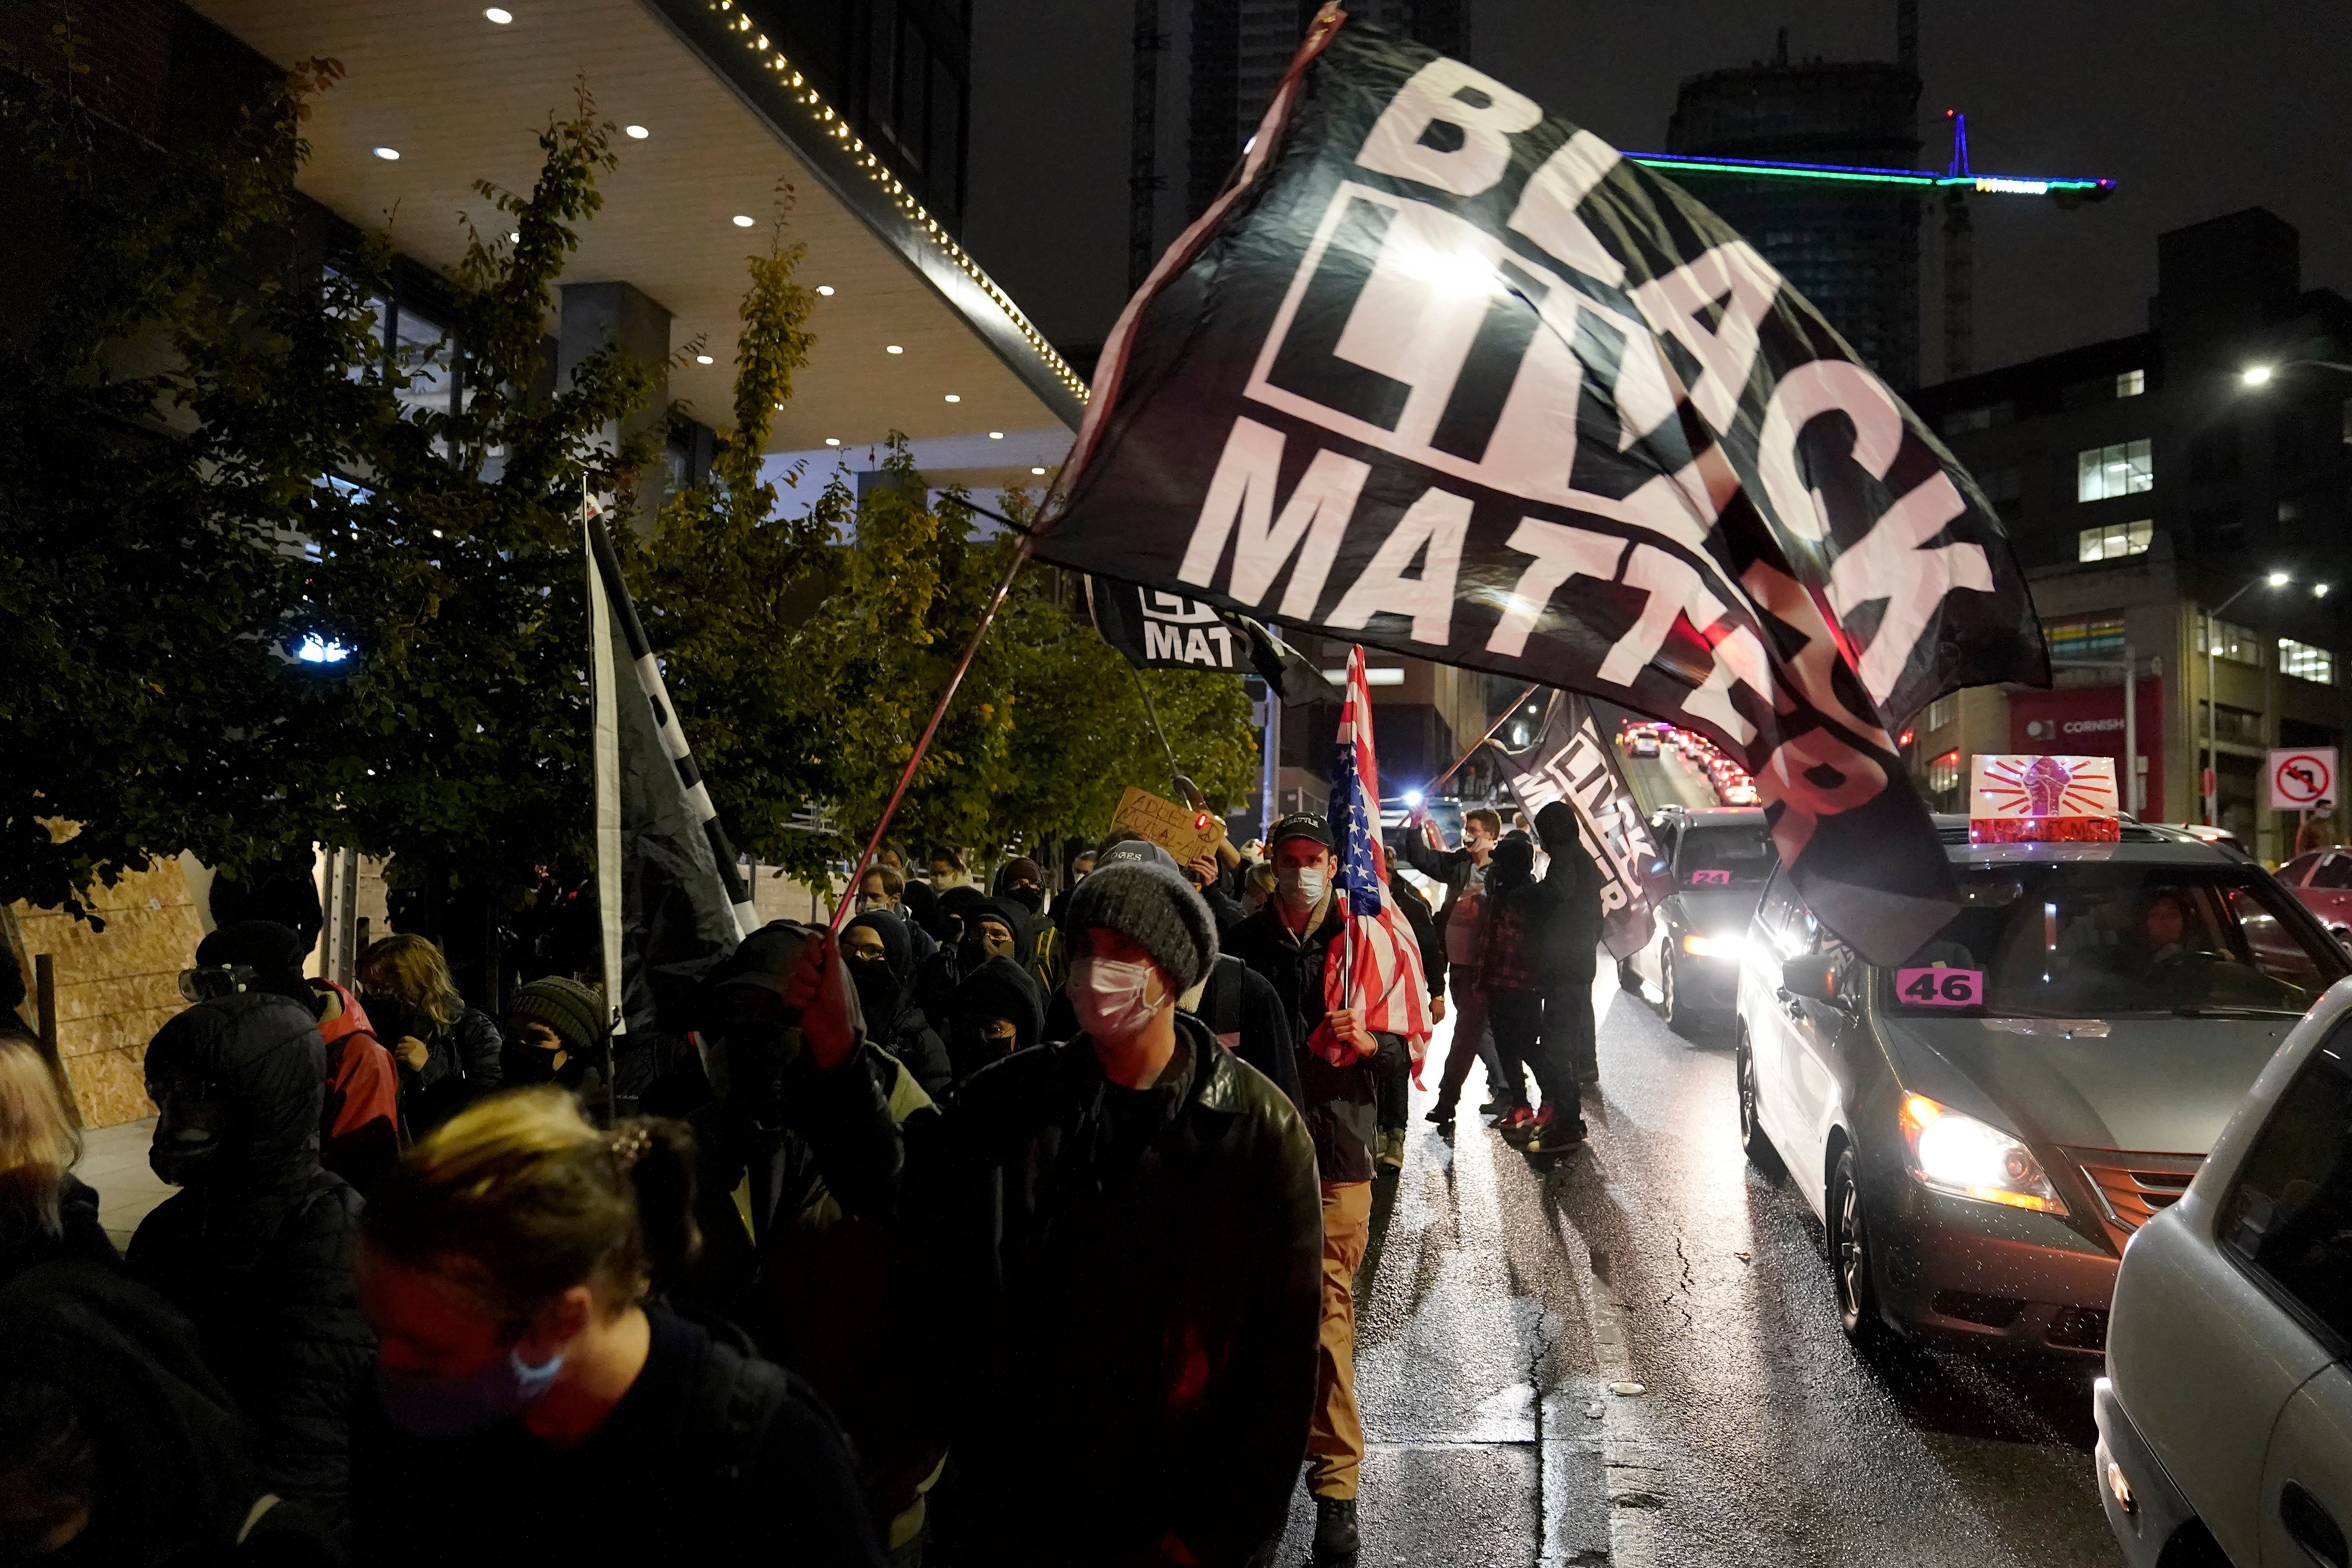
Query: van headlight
1699, 946
1954, 1153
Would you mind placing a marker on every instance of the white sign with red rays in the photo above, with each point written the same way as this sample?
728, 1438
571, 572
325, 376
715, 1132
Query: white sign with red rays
2006, 786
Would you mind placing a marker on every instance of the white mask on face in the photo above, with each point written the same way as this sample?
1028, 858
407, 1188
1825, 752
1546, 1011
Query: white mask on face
1307, 882
1110, 997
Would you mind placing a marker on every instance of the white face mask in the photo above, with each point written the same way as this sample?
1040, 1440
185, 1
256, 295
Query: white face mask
1110, 997
1304, 882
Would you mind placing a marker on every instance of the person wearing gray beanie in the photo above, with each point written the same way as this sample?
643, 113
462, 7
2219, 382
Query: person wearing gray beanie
1155, 908
1091, 1202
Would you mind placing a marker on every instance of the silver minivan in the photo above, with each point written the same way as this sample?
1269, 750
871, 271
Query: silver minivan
1982, 1128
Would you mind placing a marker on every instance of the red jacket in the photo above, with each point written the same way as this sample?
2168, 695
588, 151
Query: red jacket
359, 1124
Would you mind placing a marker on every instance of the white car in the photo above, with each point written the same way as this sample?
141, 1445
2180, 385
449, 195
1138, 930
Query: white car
2225, 1417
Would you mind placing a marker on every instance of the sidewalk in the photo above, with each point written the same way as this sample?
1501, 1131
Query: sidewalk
114, 1162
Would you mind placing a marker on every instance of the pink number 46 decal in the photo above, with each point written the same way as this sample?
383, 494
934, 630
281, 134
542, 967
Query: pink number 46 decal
1940, 988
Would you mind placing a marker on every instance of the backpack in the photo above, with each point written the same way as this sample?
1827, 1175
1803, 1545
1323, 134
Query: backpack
1221, 1001
735, 1398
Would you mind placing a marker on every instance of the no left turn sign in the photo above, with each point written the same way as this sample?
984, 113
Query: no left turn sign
2303, 778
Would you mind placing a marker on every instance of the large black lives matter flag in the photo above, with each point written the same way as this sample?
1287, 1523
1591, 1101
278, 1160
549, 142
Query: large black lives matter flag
1447, 375
1570, 759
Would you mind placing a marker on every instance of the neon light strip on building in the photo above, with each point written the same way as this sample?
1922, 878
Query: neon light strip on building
1986, 184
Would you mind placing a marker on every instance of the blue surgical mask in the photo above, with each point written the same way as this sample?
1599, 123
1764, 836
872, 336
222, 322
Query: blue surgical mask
426, 1406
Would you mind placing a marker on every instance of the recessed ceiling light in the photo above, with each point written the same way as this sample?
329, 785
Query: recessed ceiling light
636, 132
954, 398
1036, 471
825, 289
996, 435
500, 15
702, 359
892, 348
833, 440
742, 220
389, 154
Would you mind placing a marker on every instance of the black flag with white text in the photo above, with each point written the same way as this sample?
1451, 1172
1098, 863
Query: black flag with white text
1570, 759
1447, 375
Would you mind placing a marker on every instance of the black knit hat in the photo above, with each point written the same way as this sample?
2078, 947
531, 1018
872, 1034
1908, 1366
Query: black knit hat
573, 1011
1154, 907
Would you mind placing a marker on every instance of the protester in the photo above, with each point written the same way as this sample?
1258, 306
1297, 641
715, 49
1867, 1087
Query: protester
45, 1212
1257, 886
825, 1291
449, 1053
118, 1444
936, 977
1125, 1225
1518, 971
531, 1407
1020, 886
1236, 1003
359, 1116
1460, 929
882, 964
1573, 936
950, 869
1082, 866
1288, 943
555, 1033
1207, 875
993, 1012
919, 901
257, 1246
883, 888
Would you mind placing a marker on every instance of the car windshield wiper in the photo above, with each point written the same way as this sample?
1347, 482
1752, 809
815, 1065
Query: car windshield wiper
2235, 1013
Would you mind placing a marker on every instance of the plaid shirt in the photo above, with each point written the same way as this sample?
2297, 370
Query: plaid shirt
1509, 960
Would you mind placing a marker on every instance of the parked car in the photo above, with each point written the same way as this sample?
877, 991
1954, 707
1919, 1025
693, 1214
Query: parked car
2322, 879
1982, 1128
1716, 862
2225, 1416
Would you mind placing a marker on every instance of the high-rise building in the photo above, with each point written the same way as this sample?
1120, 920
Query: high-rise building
1853, 251
1238, 51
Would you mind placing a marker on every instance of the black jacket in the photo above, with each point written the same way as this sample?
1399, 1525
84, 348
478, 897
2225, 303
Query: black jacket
1240, 1008
1571, 885
712, 1457
1341, 1102
174, 1478
463, 1063
259, 1254
1425, 933
80, 1235
1136, 1278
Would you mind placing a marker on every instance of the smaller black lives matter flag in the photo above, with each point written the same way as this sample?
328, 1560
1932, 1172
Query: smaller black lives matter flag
1444, 374
1155, 630
1570, 760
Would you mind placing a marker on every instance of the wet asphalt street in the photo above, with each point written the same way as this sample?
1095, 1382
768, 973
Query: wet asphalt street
1501, 1300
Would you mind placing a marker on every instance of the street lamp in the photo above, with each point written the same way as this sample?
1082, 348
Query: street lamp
2261, 375
2213, 707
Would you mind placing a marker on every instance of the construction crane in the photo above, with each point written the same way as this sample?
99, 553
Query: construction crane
1958, 183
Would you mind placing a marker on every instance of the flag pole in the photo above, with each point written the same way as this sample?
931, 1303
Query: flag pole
995, 603
1431, 788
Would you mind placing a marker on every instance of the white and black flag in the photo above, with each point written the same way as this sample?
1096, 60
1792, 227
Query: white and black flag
1444, 374
1155, 630
1570, 759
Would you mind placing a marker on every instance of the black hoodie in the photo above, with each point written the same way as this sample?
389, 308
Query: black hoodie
894, 1020
174, 1478
258, 1252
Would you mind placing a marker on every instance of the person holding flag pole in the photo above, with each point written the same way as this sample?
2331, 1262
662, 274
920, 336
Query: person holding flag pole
1340, 955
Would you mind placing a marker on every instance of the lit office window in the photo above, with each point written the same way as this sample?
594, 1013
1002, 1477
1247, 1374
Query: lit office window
2114, 540
2131, 384
2308, 663
2085, 636
2104, 472
2229, 641
1940, 713
1943, 773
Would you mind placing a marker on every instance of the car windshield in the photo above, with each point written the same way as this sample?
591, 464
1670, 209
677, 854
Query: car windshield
1730, 854
2089, 939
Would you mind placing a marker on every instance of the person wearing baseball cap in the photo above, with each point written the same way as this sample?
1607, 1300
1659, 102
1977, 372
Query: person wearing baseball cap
1093, 1204
1289, 941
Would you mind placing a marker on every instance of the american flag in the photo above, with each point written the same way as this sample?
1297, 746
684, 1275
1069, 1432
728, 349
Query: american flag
1379, 977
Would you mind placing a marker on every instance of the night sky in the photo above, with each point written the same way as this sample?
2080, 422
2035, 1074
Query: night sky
2199, 108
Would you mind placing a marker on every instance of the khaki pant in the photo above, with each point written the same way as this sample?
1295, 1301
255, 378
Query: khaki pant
1335, 1444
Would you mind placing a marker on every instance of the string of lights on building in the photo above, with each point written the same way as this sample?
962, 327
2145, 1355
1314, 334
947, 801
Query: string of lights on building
831, 123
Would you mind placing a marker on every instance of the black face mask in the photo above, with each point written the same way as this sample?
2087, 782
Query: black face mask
878, 990
1030, 898
189, 1138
